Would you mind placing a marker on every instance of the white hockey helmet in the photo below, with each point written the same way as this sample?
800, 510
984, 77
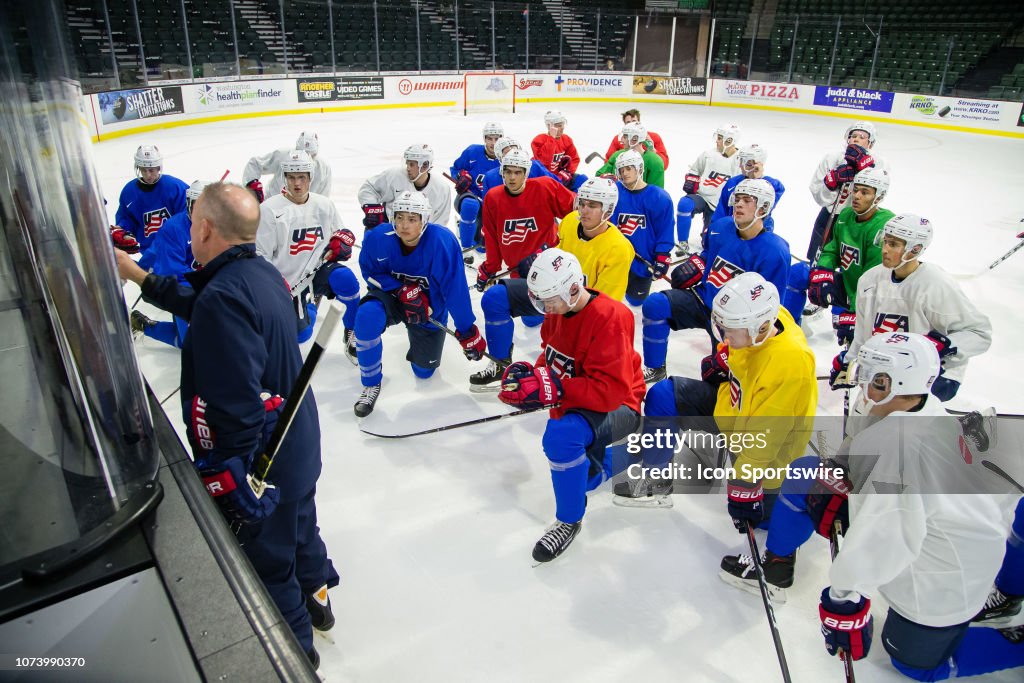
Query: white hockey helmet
865, 126
752, 153
910, 361
629, 158
148, 156
423, 155
746, 302
633, 133
730, 134
517, 158
193, 192
298, 161
492, 128
875, 177
309, 142
600, 190
915, 230
555, 273
410, 201
503, 144
554, 117
762, 192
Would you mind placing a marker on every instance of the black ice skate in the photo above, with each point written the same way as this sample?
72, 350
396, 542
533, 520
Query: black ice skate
978, 430
350, 347
555, 540
643, 493
652, 375
1014, 634
319, 607
489, 379
140, 323
366, 401
314, 658
682, 249
739, 571
999, 608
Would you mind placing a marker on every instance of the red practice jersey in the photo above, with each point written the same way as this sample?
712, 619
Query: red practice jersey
516, 226
592, 353
548, 151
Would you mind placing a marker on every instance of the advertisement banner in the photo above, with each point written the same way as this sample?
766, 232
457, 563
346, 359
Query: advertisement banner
662, 85
341, 88
1020, 117
120, 106
529, 83
241, 95
853, 98
595, 85
956, 109
777, 94
403, 88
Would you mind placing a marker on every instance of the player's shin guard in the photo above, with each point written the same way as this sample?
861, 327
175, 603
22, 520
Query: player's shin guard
982, 651
371, 320
795, 296
345, 286
684, 217
565, 444
656, 311
532, 320
498, 327
422, 373
790, 526
661, 400
1010, 579
469, 209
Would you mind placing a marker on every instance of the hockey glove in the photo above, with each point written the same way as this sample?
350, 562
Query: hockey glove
525, 386
943, 344
858, 158
523, 267
483, 276
822, 287
827, 501
124, 240
340, 246
661, 264
846, 626
463, 182
714, 368
562, 170
415, 304
373, 215
689, 273
691, 183
473, 345
845, 324
839, 378
944, 388
257, 188
746, 503
839, 175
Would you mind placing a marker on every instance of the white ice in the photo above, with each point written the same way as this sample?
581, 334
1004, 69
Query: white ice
432, 535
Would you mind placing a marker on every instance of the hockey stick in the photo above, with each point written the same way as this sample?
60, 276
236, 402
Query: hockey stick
989, 465
494, 278
595, 155
833, 543
767, 600
258, 478
1009, 253
826, 234
450, 332
457, 425
168, 397
1008, 416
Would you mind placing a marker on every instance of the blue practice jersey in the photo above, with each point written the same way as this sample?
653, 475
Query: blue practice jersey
142, 212
435, 264
474, 160
723, 209
648, 219
171, 250
493, 177
727, 256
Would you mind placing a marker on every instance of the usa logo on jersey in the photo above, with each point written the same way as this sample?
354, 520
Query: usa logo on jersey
715, 179
517, 229
559, 363
890, 322
735, 392
152, 221
848, 256
722, 271
304, 239
631, 222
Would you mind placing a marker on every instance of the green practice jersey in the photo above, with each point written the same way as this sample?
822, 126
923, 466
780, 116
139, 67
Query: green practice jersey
852, 249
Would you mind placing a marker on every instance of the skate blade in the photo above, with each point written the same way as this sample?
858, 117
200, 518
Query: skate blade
353, 361
645, 502
485, 388
777, 594
324, 636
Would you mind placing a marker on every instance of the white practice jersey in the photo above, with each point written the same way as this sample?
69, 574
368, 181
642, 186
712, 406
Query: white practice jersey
714, 169
385, 186
826, 197
928, 299
293, 236
931, 555
320, 182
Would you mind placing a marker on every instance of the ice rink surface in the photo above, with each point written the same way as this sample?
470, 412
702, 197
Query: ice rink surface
432, 535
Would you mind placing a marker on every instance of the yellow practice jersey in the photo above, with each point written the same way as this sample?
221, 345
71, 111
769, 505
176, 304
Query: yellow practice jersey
771, 394
605, 259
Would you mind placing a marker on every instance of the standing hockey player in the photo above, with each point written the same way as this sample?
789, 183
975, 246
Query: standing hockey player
300, 232
270, 163
468, 172
752, 159
830, 184
653, 139
633, 136
493, 178
520, 221
415, 274
704, 181
145, 204
932, 557
902, 294
379, 192
644, 215
735, 245
555, 150
759, 380
588, 374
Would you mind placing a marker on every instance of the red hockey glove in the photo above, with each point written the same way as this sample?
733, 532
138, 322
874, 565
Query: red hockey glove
943, 344
714, 368
746, 503
661, 264
340, 246
525, 386
257, 188
846, 626
473, 345
562, 170
373, 215
691, 183
483, 276
415, 304
689, 273
463, 182
839, 376
845, 324
839, 175
827, 501
858, 158
124, 240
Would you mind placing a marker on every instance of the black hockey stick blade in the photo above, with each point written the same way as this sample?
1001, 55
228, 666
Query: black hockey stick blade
988, 464
451, 333
594, 155
767, 600
457, 425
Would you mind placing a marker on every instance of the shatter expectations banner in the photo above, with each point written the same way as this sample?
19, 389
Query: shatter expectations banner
662, 85
119, 106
